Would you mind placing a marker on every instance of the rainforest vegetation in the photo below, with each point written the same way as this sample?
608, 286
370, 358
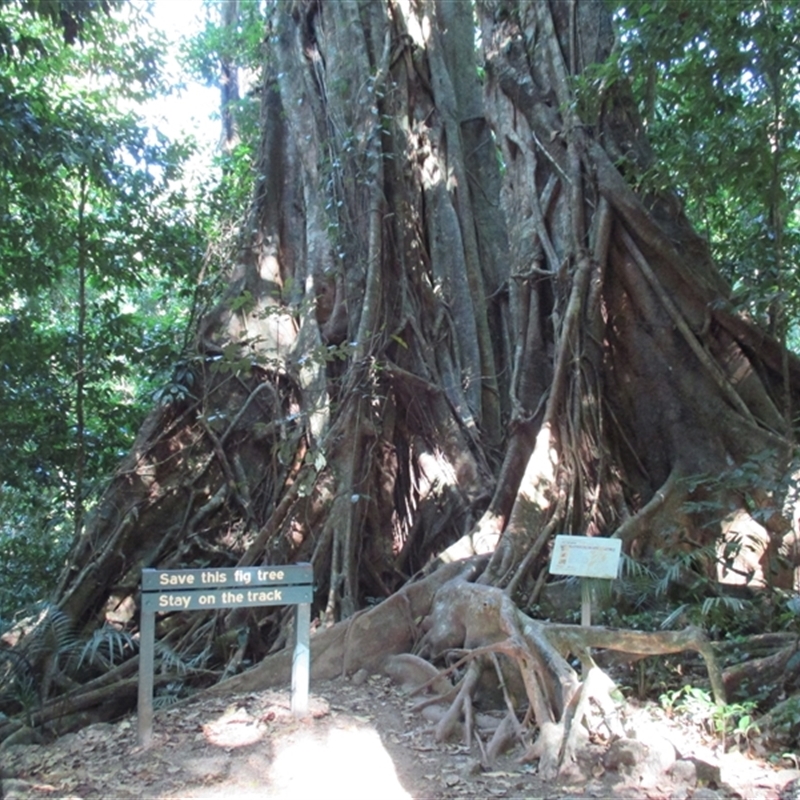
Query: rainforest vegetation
461, 277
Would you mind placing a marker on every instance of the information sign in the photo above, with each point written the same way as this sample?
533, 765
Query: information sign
586, 557
237, 587
154, 579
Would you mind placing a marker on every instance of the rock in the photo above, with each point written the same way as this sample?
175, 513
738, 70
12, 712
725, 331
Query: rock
12, 789
624, 755
684, 773
359, 678
473, 768
646, 758
661, 755
546, 748
24, 735
410, 672
488, 722
451, 779
557, 599
433, 713
572, 772
704, 793
99, 732
707, 771
791, 791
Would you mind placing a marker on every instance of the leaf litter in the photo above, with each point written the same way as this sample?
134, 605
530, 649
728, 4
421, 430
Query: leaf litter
359, 741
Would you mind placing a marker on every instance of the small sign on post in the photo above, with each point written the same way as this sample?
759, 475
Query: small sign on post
211, 589
586, 557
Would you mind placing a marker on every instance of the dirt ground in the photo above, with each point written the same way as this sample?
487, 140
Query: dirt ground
362, 740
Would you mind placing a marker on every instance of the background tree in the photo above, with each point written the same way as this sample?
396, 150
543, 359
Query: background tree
99, 248
462, 317
736, 167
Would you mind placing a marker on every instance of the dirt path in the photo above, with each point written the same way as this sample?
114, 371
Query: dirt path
362, 741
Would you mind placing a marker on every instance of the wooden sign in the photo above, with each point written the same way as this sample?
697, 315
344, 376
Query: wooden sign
586, 557
237, 587
196, 589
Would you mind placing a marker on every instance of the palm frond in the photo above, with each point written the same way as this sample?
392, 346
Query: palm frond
106, 647
734, 605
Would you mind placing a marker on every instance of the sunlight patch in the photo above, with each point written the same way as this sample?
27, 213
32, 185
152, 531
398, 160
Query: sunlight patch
347, 763
236, 729
540, 472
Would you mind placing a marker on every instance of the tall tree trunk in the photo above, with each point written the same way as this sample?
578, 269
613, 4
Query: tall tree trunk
454, 327
229, 78
82, 259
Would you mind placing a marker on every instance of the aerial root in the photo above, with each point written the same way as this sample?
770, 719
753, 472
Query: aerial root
461, 705
507, 732
526, 662
595, 691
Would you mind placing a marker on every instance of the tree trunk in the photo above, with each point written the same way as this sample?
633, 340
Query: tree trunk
459, 322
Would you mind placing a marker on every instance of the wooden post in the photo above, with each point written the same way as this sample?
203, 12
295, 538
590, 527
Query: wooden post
147, 643
586, 557
221, 587
586, 602
301, 660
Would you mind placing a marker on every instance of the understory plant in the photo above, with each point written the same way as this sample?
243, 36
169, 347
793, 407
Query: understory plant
730, 722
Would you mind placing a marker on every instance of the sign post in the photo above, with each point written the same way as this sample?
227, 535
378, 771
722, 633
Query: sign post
211, 589
586, 557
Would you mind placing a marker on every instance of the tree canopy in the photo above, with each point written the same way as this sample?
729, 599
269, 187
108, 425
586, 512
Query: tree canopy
717, 88
100, 249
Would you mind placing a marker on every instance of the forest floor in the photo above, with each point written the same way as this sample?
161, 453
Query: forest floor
362, 740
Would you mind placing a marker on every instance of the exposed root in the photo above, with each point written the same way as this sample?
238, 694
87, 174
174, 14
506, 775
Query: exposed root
506, 733
462, 705
565, 708
415, 675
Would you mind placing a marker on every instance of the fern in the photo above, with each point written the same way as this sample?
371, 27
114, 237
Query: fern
51, 634
168, 694
677, 568
15, 669
24, 693
171, 661
106, 647
712, 605
634, 570
675, 615
199, 661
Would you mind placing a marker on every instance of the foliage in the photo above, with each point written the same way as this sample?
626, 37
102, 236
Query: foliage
68, 16
718, 87
36, 534
99, 249
106, 647
784, 724
721, 719
434, 398
680, 585
51, 641
239, 44
49, 637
